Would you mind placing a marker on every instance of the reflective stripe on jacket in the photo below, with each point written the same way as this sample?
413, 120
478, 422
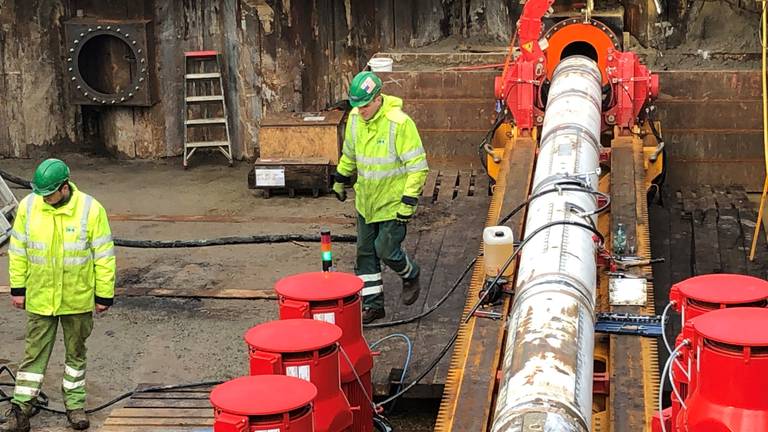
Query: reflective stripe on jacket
387, 154
62, 259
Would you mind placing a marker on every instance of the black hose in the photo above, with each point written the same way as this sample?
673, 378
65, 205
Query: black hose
115, 400
431, 308
488, 137
26, 184
254, 239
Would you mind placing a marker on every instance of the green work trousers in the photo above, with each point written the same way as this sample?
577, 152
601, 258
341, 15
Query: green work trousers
376, 242
41, 335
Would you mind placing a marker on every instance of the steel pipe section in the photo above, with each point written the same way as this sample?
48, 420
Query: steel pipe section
548, 359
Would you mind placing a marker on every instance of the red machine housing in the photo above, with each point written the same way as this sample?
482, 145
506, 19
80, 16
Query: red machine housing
630, 85
697, 296
334, 297
306, 349
263, 403
701, 294
729, 374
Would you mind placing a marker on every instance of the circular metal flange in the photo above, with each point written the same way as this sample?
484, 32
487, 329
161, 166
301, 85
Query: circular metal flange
83, 87
568, 21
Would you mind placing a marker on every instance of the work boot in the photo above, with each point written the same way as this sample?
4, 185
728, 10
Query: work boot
411, 290
78, 419
370, 315
15, 420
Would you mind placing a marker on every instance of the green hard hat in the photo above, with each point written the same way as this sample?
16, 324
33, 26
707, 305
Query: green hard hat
364, 87
49, 176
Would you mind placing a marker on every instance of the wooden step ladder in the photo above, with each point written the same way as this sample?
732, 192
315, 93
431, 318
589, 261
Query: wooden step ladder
8, 206
205, 110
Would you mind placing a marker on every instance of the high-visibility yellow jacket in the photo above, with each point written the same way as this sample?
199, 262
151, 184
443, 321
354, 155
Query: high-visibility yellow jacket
390, 162
62, 259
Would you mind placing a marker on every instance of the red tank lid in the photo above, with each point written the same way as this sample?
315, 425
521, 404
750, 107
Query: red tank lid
293, 335
734, 326
319, 286
724, 288
262, 395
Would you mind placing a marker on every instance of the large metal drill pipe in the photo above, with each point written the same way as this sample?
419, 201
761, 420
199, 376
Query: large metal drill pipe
547, 370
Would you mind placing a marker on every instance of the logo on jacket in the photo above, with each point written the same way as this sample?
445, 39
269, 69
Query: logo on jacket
380, 141
69, 229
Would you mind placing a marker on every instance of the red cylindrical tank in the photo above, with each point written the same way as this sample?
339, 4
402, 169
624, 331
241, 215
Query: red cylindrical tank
306, 349
729, 375
701, 294
335, 297
263, 403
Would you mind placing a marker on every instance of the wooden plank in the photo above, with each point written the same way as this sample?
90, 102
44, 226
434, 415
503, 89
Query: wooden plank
733, 257
627, 412
759, 266
173, 395
161, 412
462, 243
467, 114
711, 115
153, 428
429, 187
168, 403
198, 293
446, 85
447, 186
705, 240
159, 422
426, 255
466, 178
710, 84
471, 381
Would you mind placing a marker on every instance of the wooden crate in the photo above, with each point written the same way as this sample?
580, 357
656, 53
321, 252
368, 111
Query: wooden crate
291, 176
301, 136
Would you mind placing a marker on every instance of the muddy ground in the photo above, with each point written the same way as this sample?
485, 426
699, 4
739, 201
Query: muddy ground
167, 340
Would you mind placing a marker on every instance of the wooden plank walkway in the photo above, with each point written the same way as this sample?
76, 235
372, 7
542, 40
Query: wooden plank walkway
186, 410
443, 239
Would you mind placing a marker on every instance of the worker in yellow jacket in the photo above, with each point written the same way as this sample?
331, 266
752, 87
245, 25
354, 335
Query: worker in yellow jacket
62, 267
381, 146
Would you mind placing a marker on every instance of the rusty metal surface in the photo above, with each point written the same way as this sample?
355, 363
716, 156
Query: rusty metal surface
471, 381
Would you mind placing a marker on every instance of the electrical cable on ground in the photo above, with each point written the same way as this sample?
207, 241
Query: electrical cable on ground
26, 184
4, 368
234, 240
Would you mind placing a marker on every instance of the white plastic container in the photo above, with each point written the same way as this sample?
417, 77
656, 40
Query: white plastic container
498, 246
380, 64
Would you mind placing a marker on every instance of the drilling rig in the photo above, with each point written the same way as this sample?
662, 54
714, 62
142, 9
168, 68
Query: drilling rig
575, 139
